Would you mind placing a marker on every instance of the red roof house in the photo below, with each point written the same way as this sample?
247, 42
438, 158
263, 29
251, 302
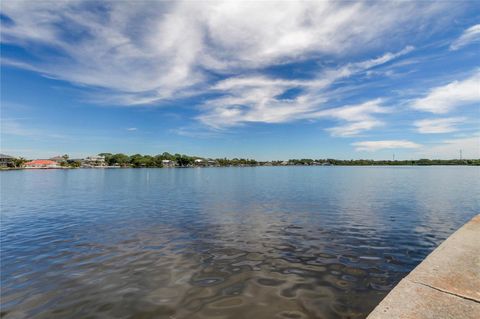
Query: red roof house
42, 164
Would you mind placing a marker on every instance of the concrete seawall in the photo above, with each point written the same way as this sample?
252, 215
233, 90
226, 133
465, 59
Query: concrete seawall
445, 285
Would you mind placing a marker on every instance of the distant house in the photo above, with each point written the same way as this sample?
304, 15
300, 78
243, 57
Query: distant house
94, 161
168, 163
42, 164
200, 162
6, 160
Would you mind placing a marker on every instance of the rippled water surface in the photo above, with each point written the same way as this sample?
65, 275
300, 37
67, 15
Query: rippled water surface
266, 242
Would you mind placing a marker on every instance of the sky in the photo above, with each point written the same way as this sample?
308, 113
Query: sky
264, 80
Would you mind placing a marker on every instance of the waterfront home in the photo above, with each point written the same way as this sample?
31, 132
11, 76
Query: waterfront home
168, 163
200, 162
212, 163
94, 161
42, 164
7, 160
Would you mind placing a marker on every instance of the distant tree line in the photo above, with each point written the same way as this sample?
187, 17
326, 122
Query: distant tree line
367, 162
67, 162
139, 160
236, 162
181, 160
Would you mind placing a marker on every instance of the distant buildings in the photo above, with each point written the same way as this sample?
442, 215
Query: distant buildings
168, 163
42, 164
94, 161
200, 162
7, 160
177, 160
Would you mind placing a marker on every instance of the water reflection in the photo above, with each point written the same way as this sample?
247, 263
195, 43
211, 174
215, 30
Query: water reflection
221, 243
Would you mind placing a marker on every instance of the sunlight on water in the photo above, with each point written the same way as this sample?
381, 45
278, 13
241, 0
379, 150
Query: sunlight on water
280, 242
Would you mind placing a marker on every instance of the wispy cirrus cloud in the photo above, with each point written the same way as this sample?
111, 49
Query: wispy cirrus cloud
439, 125
359, 117
227, 54
372, 146
354, 128
470, 35
262, 99
445, 98
144, 52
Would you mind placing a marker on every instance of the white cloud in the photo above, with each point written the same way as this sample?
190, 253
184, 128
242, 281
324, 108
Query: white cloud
261, 105
259, 99
353, 129
441, 125
450, 148
359, 117
146, 51
372, 146
131, 129
445, 98
469, 36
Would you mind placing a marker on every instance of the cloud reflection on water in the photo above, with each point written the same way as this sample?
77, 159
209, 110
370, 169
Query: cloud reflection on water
221, 243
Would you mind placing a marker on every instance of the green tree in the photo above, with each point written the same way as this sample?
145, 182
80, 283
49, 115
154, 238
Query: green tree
119, 159
18, 162
108, 157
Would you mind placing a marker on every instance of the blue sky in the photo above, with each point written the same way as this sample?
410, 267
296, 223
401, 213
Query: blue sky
262, 80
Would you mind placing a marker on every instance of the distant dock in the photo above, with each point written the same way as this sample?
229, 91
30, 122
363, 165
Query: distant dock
445, 285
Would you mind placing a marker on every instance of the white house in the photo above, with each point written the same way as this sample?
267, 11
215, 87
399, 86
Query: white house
168, 163
94, 161
6, 160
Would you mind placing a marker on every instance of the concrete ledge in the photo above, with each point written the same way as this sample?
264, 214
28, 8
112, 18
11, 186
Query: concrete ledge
445, 285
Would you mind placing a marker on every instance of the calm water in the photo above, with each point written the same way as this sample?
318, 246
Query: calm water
271, 242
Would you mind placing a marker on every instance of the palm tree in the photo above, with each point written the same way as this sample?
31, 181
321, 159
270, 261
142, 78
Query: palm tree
18, 162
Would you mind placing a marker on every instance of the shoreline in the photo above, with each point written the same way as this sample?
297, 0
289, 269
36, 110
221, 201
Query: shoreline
444, 285
229, 166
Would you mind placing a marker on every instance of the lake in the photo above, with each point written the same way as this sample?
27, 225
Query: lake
254, 242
